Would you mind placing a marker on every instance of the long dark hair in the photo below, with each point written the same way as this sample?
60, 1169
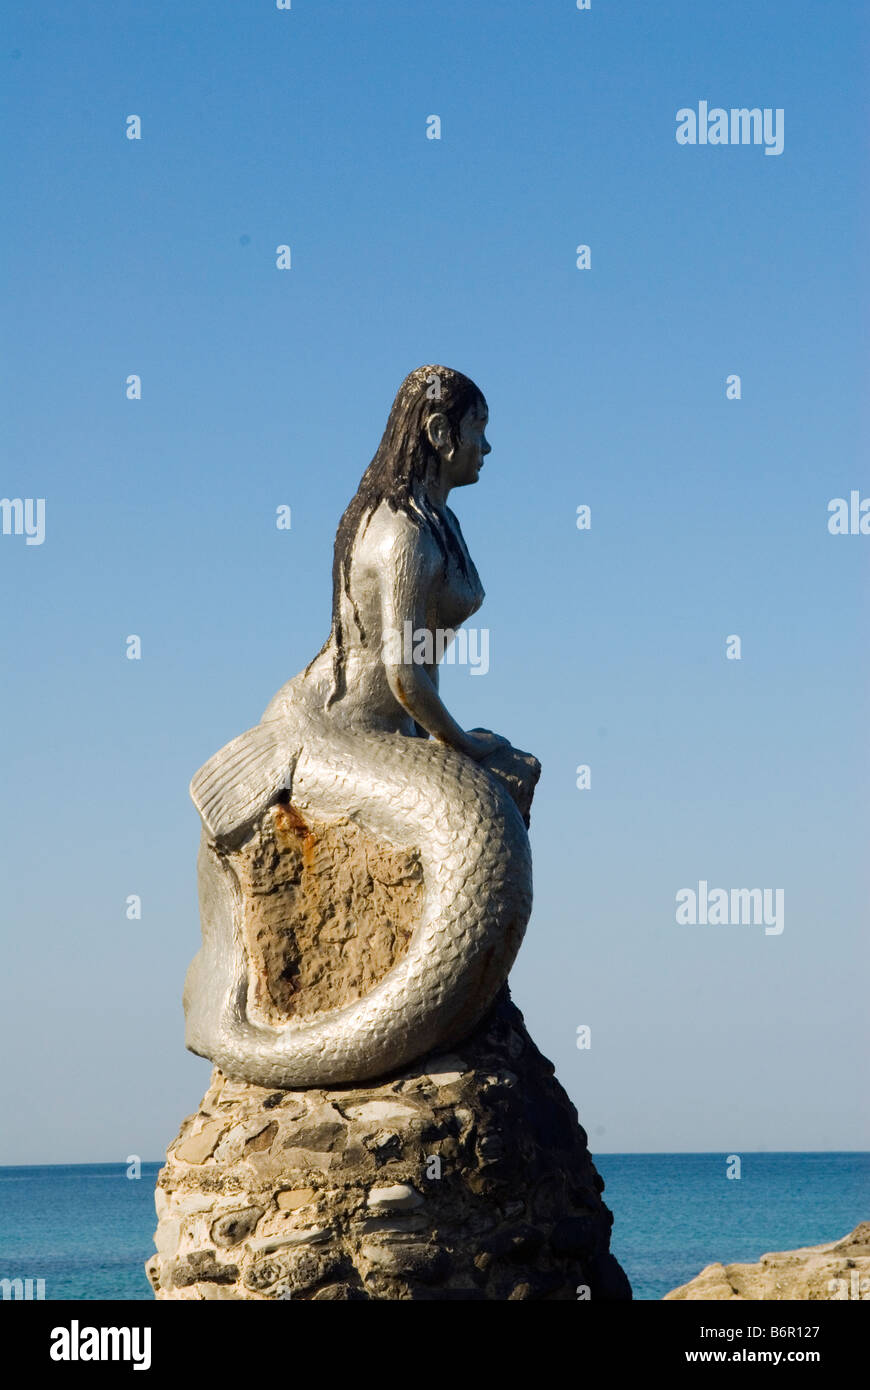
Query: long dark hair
404, 457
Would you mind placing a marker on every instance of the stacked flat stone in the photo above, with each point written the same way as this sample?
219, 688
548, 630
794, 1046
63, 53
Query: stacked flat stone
465, 1176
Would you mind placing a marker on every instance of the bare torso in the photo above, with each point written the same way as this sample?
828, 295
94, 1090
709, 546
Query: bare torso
397, 577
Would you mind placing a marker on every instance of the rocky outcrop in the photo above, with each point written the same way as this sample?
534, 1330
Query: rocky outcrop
462, 1177
838, 1270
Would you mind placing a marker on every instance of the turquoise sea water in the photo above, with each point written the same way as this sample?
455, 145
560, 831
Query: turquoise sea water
87, 1229
676, 1213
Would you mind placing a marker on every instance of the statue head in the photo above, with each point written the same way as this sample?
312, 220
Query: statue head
434, 438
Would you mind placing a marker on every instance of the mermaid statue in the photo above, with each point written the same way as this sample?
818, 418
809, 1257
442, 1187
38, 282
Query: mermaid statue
362, 734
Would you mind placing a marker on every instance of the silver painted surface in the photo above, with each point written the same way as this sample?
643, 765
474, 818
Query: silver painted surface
352, 750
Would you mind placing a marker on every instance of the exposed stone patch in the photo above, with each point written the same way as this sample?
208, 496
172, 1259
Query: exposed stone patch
328, 911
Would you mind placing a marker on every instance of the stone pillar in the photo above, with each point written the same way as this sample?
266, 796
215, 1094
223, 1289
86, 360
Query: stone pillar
465, 1176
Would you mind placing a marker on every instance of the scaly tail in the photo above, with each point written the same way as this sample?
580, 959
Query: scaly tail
476, 903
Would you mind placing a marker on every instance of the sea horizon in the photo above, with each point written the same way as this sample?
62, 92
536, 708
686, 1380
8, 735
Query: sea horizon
86, 1229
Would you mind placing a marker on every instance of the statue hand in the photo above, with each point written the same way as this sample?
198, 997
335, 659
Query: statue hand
483, 742
516, 770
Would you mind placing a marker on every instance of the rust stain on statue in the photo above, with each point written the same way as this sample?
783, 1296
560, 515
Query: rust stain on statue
403, 698
288, 819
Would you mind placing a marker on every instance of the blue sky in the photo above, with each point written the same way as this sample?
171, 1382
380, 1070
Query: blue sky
606, 387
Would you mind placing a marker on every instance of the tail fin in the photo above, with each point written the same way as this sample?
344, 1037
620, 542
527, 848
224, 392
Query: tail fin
243, 778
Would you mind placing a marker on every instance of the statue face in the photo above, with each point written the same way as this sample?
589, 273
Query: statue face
465, 460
